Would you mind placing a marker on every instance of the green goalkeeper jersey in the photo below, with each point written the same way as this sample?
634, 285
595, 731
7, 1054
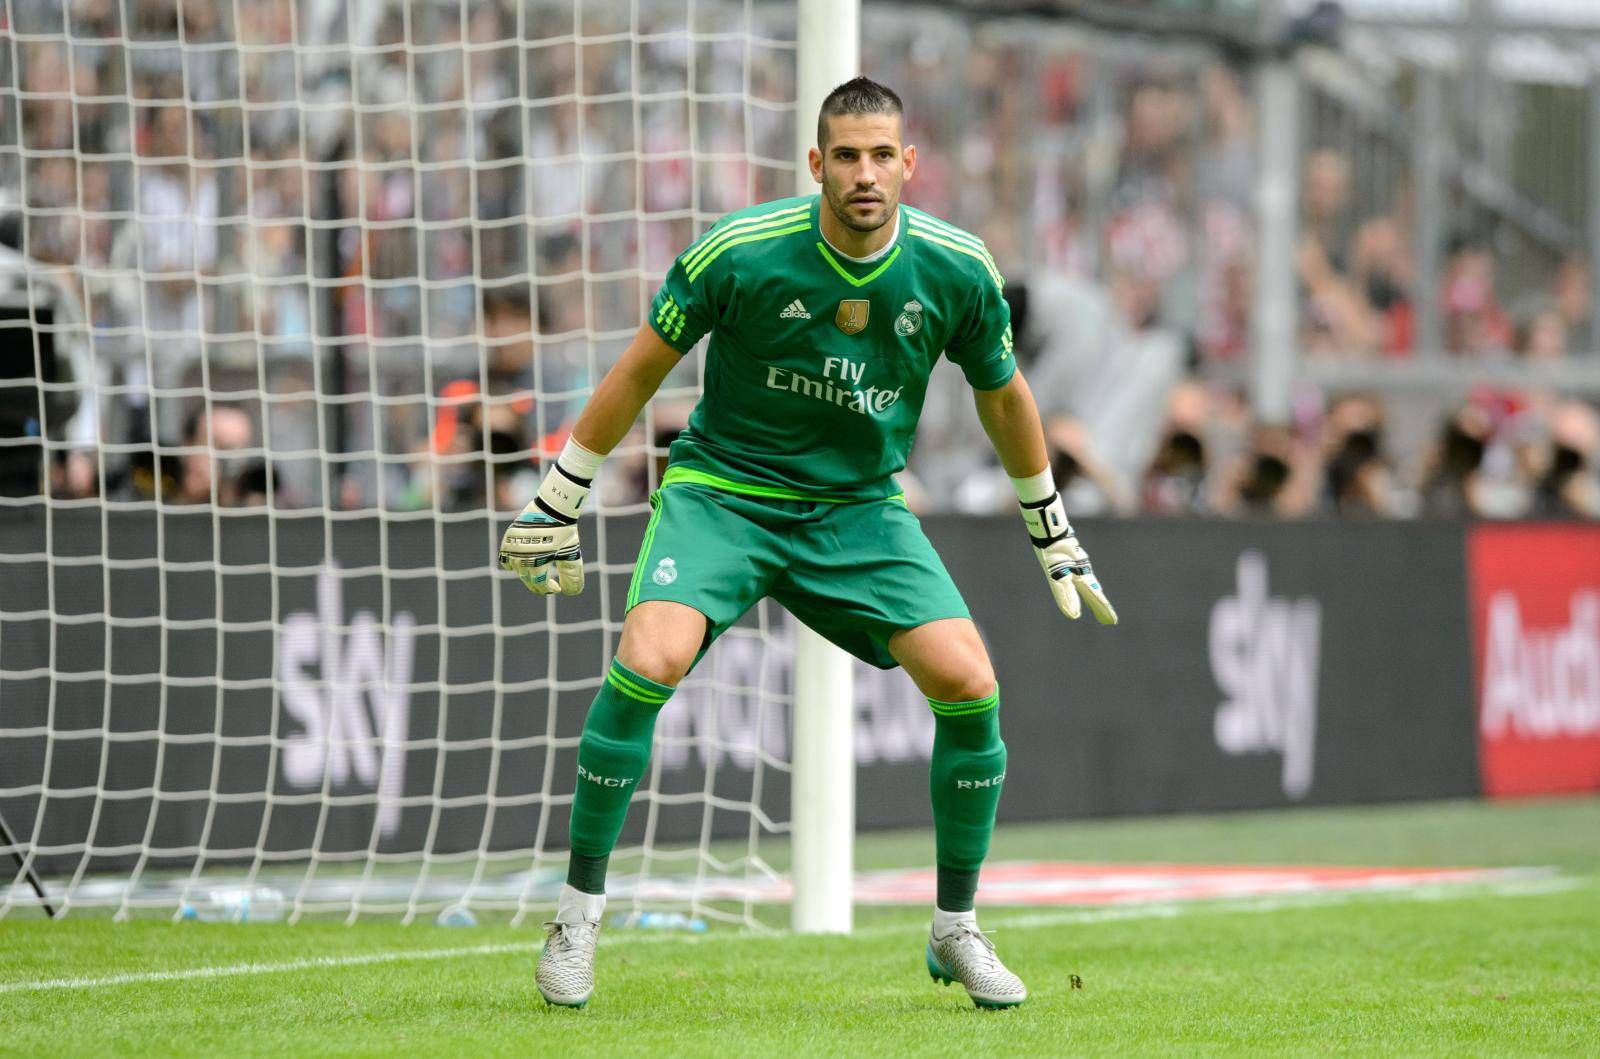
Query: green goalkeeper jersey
818, 365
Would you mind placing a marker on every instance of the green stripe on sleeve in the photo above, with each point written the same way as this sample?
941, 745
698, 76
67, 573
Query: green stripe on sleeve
744, 225
705, 262
946, 228
933, 237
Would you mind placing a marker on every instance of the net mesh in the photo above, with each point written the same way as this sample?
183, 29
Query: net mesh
292, 288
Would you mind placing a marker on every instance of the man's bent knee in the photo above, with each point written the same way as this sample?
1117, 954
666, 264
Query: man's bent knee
946, 659
660, 640
962, 687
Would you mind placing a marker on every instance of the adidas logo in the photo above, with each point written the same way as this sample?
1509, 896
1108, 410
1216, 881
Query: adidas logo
794, 311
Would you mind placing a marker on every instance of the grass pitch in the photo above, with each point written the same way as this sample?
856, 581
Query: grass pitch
1510, 970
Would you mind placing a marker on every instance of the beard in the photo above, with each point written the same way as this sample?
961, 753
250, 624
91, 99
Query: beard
843, 210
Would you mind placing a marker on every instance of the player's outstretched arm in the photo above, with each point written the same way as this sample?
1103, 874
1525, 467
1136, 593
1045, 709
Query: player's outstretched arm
541, 546
1011, 419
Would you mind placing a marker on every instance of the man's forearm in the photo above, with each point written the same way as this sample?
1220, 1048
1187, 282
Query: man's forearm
624, 391
1011, 419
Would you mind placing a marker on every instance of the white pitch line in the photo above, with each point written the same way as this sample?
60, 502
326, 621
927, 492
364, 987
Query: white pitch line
237, 969
1532, 887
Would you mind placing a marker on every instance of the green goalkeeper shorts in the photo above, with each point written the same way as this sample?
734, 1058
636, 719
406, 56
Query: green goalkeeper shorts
856, 572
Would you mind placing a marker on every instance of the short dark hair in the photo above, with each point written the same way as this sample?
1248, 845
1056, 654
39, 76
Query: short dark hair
859, 95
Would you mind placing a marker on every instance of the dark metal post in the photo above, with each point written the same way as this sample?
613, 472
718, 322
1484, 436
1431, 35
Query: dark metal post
33, 877
1275, 317
336, 369
1428, 143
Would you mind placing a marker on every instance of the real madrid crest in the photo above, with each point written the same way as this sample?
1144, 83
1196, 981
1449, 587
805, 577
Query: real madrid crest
909, 322
852, 315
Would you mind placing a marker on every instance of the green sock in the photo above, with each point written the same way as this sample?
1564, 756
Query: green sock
969, 766
611, 759
955, 889
587, 873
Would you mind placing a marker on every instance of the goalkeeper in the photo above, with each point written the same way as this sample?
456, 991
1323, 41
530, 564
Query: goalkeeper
825, 315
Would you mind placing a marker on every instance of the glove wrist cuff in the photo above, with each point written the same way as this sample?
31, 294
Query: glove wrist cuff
561, 495
1046, 520
1035, 489
578, 463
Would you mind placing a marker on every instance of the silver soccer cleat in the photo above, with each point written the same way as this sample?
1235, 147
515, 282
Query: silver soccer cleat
565, 975
967, 956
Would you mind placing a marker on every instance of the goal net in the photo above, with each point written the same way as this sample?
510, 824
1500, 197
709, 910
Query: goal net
290, 291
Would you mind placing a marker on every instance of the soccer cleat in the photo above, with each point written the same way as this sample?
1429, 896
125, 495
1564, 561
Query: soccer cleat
966, 955
565, 975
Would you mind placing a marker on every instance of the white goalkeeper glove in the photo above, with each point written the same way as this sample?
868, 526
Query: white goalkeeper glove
541, 546
1066, 564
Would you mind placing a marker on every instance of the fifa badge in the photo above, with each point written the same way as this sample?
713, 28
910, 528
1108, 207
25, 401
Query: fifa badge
852, 315
909, 322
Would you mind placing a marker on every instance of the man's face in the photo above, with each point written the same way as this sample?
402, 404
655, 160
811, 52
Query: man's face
861, 168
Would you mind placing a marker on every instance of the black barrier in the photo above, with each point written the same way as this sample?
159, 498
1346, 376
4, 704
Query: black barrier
1256, 665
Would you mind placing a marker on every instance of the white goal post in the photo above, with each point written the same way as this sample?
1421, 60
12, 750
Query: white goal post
824, 803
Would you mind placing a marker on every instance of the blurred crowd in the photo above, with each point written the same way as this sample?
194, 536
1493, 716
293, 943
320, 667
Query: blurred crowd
392, 283
1132, 431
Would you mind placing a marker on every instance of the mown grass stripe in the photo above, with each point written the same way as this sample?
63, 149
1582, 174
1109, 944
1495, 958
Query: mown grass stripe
1517, 888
